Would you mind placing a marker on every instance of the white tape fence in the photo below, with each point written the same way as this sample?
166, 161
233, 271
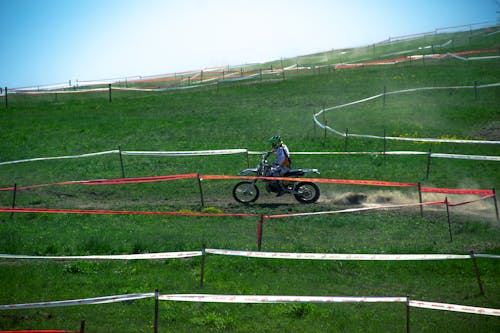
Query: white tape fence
254, 299
344, 134
257, 299
245, 151
257, 254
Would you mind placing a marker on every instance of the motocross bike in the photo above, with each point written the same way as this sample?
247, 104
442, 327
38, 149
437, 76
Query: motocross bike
247, 191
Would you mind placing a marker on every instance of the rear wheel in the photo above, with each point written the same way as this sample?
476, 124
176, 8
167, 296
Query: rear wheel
245, 192
306, 192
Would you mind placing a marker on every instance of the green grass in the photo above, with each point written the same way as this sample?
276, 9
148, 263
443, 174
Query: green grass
243, 116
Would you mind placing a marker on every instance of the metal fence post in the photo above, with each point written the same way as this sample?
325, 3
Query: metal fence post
121, 161
496, 204
202, 272
428, 165
420, 199
13, 199
259, 232
156, 311
407, 314
476, 270
448, 216
201, 191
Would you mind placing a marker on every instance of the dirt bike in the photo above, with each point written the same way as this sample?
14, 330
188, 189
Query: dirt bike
247, 191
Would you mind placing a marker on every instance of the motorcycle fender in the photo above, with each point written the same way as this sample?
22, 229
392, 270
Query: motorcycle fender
311, 171
248, 171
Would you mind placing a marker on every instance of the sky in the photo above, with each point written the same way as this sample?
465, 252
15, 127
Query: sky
44, 42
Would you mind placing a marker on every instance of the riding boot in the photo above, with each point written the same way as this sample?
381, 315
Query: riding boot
281, 189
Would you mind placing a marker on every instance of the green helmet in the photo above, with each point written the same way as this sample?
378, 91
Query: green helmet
275, 140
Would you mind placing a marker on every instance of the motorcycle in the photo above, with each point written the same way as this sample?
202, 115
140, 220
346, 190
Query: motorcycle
247, 191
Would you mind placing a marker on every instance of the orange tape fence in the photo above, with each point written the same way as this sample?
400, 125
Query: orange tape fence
484, 194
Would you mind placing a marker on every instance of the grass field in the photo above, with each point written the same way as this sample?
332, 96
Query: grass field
243, 116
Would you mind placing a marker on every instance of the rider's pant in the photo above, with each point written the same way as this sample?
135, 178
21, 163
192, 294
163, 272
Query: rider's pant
279, 172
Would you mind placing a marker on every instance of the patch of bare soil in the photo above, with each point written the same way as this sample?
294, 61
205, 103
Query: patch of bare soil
489, 132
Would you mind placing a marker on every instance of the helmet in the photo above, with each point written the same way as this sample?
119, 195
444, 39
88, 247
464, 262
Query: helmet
275, 140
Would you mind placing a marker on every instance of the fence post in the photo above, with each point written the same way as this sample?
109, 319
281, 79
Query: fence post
385, 142
6, 98
314, 126
155, 326
259, 232
496, 204
14, 192
448, 216
82, 326
428, 165
346, 141
202, 272
476, 270
407, 314
109, 88
201, 190
420, 199
385, 90
282, 69
324, 133
121, 161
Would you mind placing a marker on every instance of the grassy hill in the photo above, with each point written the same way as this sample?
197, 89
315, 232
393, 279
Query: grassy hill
243, 115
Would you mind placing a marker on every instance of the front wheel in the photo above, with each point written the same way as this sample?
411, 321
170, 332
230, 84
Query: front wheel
306, 192
245, 192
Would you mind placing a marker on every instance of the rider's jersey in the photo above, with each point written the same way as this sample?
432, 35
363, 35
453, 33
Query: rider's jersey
282, 156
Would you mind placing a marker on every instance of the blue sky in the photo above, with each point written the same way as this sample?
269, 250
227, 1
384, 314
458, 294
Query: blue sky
54, 41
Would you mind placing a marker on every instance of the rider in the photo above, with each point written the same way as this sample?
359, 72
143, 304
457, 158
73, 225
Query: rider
283, 162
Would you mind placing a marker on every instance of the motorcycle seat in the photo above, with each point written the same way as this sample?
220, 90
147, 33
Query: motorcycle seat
294, 172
